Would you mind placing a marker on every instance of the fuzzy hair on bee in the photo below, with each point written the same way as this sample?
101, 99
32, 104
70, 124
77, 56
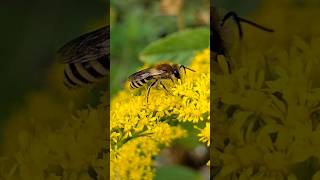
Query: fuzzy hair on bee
86, 58
219, 34
154, 75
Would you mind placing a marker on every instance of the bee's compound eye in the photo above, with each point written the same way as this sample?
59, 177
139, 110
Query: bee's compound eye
176, 74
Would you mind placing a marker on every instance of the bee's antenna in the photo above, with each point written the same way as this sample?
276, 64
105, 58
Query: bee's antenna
184, 68
255, 25
238, 21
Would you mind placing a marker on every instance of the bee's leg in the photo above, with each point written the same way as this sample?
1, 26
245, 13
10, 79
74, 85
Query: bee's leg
149, 87
171, 79
229, 67
228, 59
164, 87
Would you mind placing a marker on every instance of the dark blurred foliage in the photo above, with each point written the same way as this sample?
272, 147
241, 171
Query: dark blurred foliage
266, 124
31, 32
38, 113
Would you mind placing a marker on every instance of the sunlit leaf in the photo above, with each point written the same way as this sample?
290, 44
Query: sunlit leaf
178, 47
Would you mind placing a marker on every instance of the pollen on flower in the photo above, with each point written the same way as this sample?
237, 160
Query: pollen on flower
205, 134
138, 128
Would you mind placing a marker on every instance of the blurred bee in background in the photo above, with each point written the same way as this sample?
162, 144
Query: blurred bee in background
86, 58
154, 75
218, 37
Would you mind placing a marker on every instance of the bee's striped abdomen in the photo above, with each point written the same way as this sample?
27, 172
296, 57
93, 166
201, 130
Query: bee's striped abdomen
137, 83
83, 73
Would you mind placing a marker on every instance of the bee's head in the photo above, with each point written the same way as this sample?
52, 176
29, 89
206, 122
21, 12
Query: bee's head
176, 72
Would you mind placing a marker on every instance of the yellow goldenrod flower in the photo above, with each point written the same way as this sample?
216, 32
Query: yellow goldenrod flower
205, 134
270, 102
58, 143
138, 128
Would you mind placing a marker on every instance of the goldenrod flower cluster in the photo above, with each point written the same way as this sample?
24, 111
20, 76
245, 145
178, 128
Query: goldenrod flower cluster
46, 139
204, 134
64, 152
50, 138
267, 127
273, 130
139, 129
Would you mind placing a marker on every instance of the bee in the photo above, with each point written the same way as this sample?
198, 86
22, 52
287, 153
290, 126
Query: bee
154, 75
86, 58
219, 45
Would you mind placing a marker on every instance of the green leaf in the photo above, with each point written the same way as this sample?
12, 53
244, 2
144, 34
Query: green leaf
178, 47
175, 172
192, 140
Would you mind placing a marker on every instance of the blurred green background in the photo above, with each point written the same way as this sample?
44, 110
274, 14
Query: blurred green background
31, 33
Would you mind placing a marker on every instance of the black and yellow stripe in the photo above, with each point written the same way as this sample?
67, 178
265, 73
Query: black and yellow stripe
84, 73
86, 58
138, 83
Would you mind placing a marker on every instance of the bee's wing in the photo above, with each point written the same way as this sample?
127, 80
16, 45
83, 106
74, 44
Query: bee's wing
90, 46
145, 74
